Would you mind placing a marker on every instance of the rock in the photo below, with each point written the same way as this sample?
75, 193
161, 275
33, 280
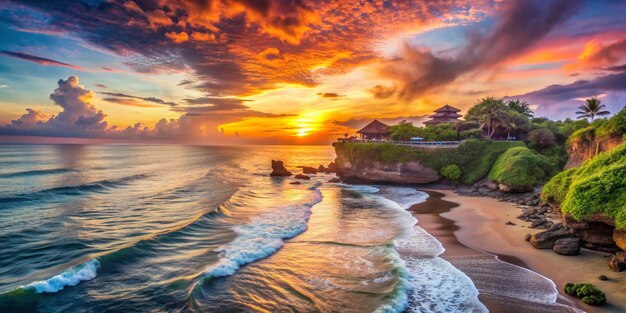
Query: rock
295, 183
321, 168
541, 224
547, 238
278, 169
618, 262
332, 168
528, 236
309, 170
509, 223
335, 180
302, 176
619, 236
567, 246
491, 185
596, 232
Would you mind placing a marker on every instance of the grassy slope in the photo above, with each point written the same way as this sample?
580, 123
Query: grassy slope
597, 186
474, 157
521, 168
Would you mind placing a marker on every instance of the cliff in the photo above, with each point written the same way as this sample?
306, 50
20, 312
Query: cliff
402, 164
580, 149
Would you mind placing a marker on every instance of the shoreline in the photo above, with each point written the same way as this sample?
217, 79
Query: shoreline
474, 234
473, 228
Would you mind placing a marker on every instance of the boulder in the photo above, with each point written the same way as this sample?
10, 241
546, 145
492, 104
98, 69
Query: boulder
547, 238
295, 183
541, 224
321, 168
619, 236
596, 232
332, 168
618, 262
335, 180
309, 170
278, 169
509, 223
302, 176
528, 236
567, 246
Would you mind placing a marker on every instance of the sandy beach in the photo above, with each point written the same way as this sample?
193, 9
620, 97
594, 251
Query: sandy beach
497, 258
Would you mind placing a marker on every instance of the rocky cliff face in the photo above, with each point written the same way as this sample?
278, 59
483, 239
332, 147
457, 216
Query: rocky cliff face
579, 150
412, 172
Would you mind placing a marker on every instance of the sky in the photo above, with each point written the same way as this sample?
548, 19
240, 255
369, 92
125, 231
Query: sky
292, 71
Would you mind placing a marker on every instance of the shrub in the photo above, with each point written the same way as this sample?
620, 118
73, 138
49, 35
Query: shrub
556, 188
521, 169
451, 172
472, 133
589, 293
541, 138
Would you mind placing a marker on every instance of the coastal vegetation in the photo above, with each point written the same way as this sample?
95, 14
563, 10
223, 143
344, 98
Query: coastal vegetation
452, 172
520, 169
588, 293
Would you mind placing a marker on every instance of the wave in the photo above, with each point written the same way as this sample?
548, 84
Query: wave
424, 281
98, 186
71, 277
264, 235
38, 172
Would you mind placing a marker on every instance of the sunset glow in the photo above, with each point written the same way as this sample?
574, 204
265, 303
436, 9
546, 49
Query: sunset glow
236, 72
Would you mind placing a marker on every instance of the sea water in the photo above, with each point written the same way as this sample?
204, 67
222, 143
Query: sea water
119, 228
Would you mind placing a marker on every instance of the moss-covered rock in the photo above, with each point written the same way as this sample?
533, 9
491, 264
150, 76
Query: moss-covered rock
597, 187
520, 169
588, 293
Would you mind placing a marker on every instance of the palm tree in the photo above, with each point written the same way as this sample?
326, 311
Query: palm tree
520, 106
591, 109
491, 114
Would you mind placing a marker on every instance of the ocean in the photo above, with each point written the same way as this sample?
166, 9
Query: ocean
138, 228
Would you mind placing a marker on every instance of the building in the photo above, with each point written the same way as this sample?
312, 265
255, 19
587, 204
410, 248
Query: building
445, 114
375, 130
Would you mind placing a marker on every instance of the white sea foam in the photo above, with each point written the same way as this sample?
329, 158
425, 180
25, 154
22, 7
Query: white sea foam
425, 282
360, 188
264, 235
71, 277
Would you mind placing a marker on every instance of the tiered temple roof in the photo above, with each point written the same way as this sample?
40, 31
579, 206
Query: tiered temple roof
445, 114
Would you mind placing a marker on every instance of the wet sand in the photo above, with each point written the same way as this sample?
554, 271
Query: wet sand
497, 258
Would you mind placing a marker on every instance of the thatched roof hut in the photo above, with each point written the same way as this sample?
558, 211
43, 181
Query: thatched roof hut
375, 130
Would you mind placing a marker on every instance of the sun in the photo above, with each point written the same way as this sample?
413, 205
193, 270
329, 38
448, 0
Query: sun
303, 132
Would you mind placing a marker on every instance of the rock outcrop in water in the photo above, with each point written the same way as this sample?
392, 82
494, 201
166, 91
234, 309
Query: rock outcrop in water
278, 169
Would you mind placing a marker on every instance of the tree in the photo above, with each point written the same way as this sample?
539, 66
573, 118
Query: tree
521, 107
591, 109
491, 113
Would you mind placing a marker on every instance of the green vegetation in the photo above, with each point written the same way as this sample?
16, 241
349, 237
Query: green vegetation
452, 172
588, 293
473, 157
598, 186
521, 169
406, 131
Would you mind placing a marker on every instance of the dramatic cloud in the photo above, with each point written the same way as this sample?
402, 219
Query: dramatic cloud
38, 60
330, 95
596, 55
148, 99
521, 25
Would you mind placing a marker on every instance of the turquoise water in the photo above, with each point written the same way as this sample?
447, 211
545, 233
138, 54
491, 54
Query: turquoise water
120, 228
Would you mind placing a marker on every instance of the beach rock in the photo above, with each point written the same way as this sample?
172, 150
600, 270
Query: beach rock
528, 236
618, 262
567, 246
541, 224
332, 168
509, 223
321, 169
547, 238
335, 180
309, 170
619, 236
295, 183
519, 189
596, 232
278, 169
302, 176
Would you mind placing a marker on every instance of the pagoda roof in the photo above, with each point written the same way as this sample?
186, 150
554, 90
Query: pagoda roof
375, 127
445, 115
447, 108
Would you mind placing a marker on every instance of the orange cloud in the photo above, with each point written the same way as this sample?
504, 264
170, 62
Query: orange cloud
177, 37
